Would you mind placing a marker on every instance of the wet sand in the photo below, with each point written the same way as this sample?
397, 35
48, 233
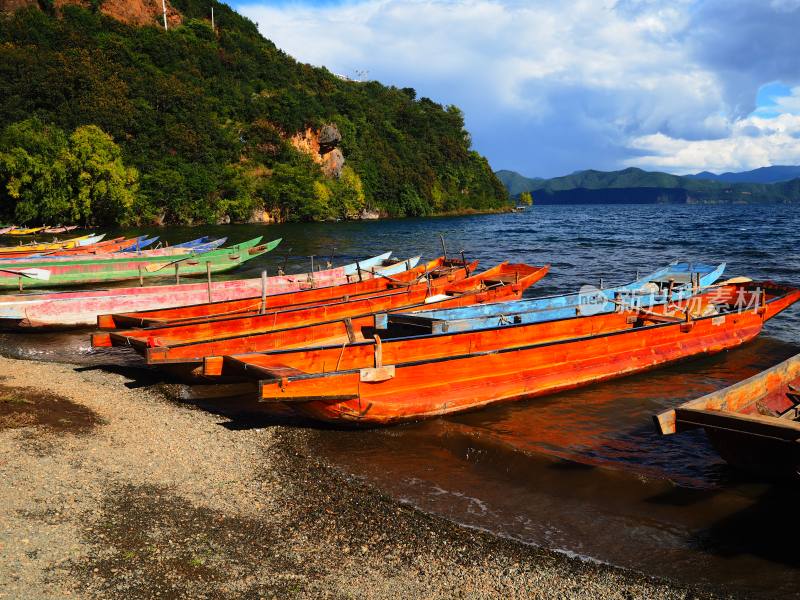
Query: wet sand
111, 489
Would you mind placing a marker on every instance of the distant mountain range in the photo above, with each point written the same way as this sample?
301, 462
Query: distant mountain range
769, 184
772, 174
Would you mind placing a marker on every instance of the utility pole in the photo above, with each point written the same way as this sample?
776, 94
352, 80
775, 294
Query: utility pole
164, 6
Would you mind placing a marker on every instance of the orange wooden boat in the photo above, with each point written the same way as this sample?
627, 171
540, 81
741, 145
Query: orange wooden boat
753, 424
452, 270
188, 344
381, 382
106, 247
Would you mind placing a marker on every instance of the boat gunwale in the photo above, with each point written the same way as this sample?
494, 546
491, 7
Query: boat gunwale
189, 321
142, 342
177, 322
644, 280
37, 294
337, 301
114, 258
699, 406
652, 327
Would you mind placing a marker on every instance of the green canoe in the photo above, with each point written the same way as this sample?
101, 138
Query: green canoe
81, 271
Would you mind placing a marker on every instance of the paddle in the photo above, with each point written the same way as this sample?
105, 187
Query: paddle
731, 281
376, 273
153, 268
40, 274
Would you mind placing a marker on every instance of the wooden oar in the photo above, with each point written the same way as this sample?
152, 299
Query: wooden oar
40, 274
151, 268
731, 281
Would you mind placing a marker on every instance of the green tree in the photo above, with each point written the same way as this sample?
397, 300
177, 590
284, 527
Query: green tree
291, 189
35, 182
348, 199
104, 188
526, 198
48, 178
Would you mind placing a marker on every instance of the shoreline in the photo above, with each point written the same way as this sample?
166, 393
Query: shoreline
131, 494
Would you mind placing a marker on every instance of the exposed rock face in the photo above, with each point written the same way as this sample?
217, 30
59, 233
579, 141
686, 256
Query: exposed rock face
10, 6
262, 215
321, 146
333, 163
329, 138
140, 12
368, 215
132, 12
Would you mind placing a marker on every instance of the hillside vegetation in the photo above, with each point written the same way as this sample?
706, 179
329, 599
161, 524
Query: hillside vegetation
195, 125
637, 186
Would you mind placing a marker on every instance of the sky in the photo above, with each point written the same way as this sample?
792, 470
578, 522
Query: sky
549, 87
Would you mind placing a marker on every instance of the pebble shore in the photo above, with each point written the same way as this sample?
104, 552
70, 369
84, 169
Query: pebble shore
129, 494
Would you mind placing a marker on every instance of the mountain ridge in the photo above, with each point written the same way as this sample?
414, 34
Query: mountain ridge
773, 174
635, 185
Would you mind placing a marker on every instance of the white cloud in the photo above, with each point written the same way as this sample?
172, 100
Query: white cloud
595, 80
791, 103
753, 142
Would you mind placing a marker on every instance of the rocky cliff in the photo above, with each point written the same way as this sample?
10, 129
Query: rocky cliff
322, 146
133, 12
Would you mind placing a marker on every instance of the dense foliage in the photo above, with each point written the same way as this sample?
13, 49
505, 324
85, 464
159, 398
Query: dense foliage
204, 117
636, 185
54, 178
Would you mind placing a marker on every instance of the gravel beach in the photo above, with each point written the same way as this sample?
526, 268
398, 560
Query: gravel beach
113, 490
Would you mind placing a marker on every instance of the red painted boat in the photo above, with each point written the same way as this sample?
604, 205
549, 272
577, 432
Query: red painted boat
82, 308
754, 424
186, 345
252, 305
377, 383
105, 247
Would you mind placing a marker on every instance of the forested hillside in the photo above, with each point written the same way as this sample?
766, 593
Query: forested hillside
105, 122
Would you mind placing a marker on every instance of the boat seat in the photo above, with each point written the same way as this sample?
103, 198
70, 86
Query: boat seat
500, 280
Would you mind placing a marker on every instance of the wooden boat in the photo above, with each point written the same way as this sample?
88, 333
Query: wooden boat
184, 346
6, 228
82, 270
197, 242
24, 230
34, 248
60, 229
66, 309
754, 424
104, 248
386, 278
139, 244
674, 282
379, 382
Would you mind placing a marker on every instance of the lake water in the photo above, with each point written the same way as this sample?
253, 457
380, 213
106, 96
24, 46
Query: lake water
583, 471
